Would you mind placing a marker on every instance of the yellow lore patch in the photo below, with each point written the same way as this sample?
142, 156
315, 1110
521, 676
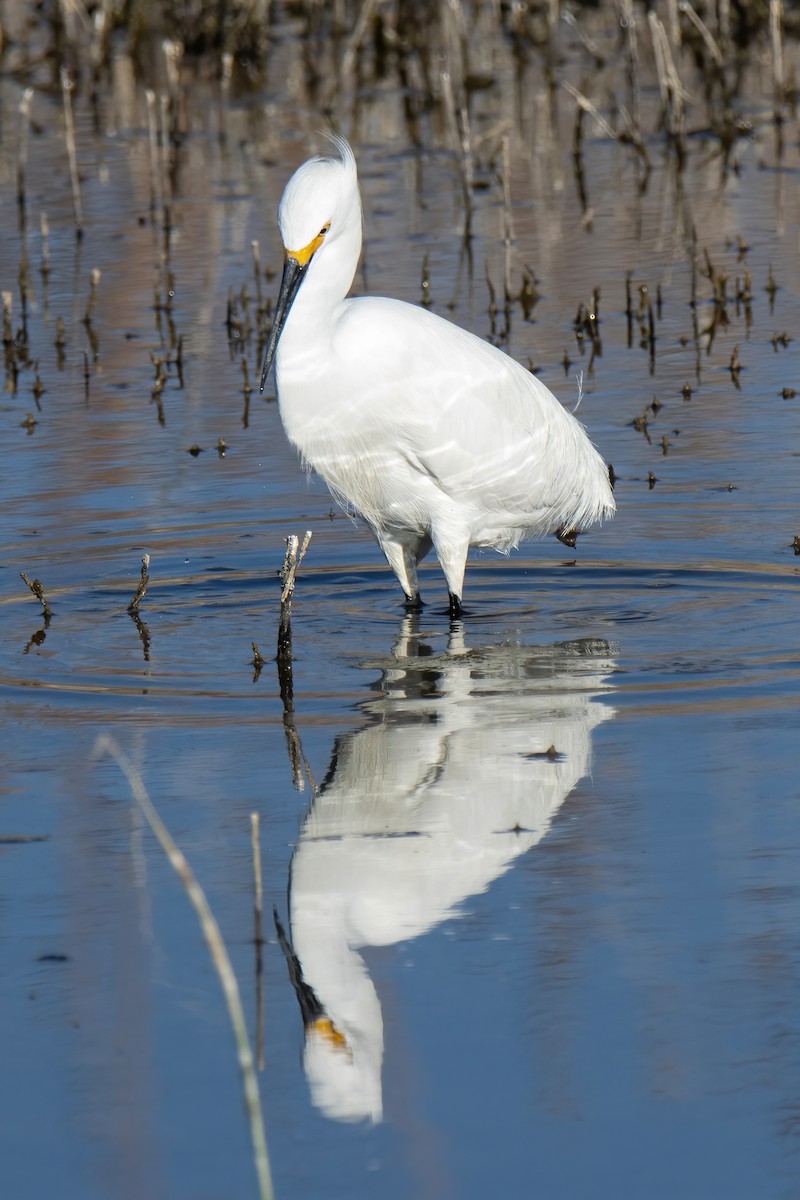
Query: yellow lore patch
303, 256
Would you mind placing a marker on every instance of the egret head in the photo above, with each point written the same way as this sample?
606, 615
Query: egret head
320, 204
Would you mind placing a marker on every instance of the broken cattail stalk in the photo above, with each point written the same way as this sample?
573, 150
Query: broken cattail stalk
67, 88
38, 591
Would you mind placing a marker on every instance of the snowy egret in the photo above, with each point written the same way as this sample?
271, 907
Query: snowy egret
435, 437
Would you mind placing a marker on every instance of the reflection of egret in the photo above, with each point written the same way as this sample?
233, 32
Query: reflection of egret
436, 437
470, 755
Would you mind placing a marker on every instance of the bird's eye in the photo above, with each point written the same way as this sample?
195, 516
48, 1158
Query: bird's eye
324, 229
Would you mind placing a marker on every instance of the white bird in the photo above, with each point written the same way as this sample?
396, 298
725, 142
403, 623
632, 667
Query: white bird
435, 437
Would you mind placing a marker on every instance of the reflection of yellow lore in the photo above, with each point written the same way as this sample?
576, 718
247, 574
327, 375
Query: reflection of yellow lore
470, 755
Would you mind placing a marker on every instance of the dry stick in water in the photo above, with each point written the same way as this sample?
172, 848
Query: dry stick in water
38, 592
258, 937
133, 607
67, 87
106, 745
287, 576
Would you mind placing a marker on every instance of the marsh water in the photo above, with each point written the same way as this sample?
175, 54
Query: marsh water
539, 868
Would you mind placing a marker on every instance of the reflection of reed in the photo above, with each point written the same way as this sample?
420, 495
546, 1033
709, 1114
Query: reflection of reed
468, 757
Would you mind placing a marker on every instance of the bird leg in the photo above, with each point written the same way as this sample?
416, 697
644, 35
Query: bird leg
403, 558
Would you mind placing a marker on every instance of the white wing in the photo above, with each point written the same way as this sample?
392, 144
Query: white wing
468, 417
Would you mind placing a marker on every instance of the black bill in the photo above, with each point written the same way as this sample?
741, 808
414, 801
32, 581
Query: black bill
293, 274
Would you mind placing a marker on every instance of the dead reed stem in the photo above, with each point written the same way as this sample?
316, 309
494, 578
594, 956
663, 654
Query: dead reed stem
22, 156
461, 139
704, 32
508, 224
776, 39
67, 88
152, 144
106, 746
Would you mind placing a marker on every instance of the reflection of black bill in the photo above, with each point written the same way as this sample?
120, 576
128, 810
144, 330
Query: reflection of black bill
310, 1006
293, 274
